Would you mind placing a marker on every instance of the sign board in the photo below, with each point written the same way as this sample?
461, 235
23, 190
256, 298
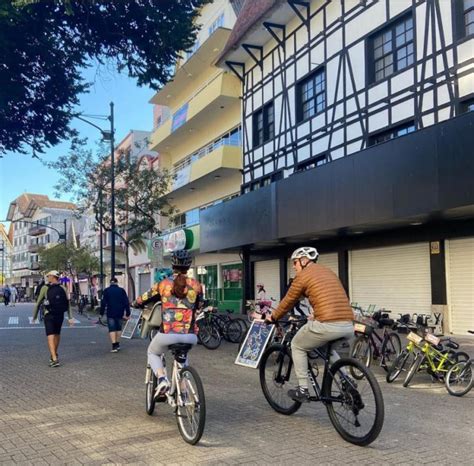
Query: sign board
175, 241
132, 323
155, 252
254, 345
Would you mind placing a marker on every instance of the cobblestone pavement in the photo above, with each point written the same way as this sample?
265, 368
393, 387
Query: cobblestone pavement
91, 411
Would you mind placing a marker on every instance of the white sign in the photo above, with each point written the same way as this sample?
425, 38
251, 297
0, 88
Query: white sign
175, 241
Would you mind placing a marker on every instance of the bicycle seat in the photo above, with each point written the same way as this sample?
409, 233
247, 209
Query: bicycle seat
180, 347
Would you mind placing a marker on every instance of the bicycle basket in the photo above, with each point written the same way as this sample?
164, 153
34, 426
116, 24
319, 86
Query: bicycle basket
360, 327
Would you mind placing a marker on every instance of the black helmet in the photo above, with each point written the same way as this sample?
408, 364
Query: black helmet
181, 259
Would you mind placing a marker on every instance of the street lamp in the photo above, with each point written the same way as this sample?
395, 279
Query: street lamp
3, 262
107, 136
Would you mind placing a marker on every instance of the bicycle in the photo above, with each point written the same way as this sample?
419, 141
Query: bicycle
434, 357
259, 309
208, 334
348, 403
459, 380
369, 345
185, 396
230, 329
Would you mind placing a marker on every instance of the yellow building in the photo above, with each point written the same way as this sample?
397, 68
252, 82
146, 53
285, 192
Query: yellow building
198, 137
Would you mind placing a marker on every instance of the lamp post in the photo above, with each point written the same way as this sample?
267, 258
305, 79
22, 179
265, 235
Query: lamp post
3, 263
107, 135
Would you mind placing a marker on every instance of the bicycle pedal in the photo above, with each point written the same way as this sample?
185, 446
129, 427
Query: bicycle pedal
314, 398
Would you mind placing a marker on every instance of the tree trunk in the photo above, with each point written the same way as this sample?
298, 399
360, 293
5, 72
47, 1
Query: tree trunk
130, 280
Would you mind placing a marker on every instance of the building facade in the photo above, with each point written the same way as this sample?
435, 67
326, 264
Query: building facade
5, 256
357, 139
37, 221
198, 137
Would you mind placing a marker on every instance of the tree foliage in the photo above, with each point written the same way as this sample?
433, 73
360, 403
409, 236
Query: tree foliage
44, 46
65, 257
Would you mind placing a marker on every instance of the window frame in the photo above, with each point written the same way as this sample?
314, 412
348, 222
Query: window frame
465, 103
300, 118
267, 135
396, 127
370, 48
305, 165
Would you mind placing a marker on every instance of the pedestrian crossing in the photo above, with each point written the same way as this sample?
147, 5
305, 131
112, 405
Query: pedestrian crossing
27, 322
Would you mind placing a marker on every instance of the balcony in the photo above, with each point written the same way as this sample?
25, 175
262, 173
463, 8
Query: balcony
206, 103
37, 230
219, 163
33, 248
201, 60
34, 265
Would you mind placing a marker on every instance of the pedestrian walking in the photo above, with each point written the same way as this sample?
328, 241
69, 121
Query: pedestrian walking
13, 295
6, 295
56, 302
115, 303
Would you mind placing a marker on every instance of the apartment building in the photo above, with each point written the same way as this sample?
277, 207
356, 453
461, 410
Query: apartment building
357, 131
198, 137
37, 221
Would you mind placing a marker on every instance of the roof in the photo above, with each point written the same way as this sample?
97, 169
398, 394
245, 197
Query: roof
27, 203
250, 15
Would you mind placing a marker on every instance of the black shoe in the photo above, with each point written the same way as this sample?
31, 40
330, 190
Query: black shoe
54, 363
299, 394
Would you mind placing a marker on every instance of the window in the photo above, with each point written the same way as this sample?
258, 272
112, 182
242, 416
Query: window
392, 133
467, 106
464, 18
311, 96
264, 181
468, 17
312, 163
218, 23
263, 125
392, 49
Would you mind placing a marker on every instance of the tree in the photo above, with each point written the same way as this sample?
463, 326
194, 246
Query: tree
44, 46
66, 257
140, 194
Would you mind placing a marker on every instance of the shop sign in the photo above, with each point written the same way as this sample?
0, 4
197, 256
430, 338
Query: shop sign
435, 247
175, 241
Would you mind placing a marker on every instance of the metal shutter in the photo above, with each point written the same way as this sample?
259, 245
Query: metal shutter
329, 260
144, 282
396, 278
268, 273
460, 284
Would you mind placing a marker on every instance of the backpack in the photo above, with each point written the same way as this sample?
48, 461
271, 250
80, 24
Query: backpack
57, 301
6, 293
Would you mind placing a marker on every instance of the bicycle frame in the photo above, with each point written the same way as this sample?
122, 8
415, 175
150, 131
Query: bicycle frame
432, 355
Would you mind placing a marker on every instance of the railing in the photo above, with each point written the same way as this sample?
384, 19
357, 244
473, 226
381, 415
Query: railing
230, 140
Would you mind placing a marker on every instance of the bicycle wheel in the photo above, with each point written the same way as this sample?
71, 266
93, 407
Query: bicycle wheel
234, 331
390, 349
151, 383
401, 364
459, 380
210, 336
414, 368
276, 370
361, 350
356, 409
461, 356
191, 408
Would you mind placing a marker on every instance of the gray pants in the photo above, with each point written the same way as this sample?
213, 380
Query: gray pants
313, 335
160, 344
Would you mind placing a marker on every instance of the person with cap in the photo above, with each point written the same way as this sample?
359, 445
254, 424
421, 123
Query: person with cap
54, 298
115, 303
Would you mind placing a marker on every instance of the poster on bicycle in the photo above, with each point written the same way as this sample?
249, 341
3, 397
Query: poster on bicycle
132, 323
254, 344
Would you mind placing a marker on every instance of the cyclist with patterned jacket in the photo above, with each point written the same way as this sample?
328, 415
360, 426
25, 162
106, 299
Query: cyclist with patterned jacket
180, 297
331, 318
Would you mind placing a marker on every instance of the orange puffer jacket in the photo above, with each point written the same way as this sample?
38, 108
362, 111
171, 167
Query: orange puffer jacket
324, 291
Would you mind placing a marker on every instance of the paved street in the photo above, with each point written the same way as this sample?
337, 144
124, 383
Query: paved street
91, 410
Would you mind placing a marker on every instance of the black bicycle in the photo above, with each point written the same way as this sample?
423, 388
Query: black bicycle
356, 409
370, 345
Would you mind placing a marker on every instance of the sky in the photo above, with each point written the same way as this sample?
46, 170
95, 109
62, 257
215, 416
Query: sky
21, 173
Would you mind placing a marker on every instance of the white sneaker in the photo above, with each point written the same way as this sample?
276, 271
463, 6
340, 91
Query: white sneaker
162, 388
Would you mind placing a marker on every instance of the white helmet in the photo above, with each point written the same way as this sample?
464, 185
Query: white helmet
306, 251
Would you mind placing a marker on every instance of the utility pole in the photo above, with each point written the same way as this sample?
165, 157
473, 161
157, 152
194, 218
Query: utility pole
3, 263
101, 245
112, 186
